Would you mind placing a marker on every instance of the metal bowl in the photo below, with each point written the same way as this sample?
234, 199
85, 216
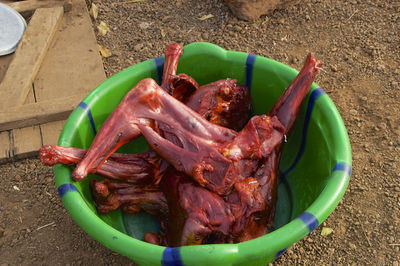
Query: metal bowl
12, 27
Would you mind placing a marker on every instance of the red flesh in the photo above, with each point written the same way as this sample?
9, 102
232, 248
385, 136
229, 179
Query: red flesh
172, 55
194, 212
288, 105
141, 168
183, 86
241, 167
223, 103
110, 196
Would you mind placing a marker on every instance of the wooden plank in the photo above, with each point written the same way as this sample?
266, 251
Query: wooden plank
4, 63
73, 64
28, 56
4, 146
38, 113
51, 132
27, 142
30, 5
74, 44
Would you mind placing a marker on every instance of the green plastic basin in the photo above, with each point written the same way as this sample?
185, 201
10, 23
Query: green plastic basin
316, 161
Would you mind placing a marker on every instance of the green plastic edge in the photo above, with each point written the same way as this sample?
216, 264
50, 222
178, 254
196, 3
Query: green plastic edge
255, 250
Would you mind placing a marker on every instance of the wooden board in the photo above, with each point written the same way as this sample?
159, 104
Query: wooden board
40, 112
4, 146
30, 5
27, 141
28, 57
51, 132
4, 62
73, 62
71, 68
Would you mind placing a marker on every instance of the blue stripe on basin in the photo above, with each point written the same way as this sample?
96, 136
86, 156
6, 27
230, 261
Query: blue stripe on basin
251, 59
171, 257
279, 253
343, 166
315, 94
310, 220
85, 107
64, 188
160, 66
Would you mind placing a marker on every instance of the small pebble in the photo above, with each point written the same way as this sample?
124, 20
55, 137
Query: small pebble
138, 47
144, 25
237, 28
353, 112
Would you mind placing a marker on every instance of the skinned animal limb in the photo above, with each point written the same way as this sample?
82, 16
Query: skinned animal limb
141, 168
110, 196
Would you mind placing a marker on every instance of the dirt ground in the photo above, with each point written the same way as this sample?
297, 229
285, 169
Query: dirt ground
359, 42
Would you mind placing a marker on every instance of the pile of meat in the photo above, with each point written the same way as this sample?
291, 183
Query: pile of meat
211, 173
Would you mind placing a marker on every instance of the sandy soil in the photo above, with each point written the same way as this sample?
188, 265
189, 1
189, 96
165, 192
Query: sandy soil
359, 43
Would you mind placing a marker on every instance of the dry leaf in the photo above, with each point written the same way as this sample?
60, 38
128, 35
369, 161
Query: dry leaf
128, 2
162, 33
104, 51
326, 231
206, 17
103, 28
94, 12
